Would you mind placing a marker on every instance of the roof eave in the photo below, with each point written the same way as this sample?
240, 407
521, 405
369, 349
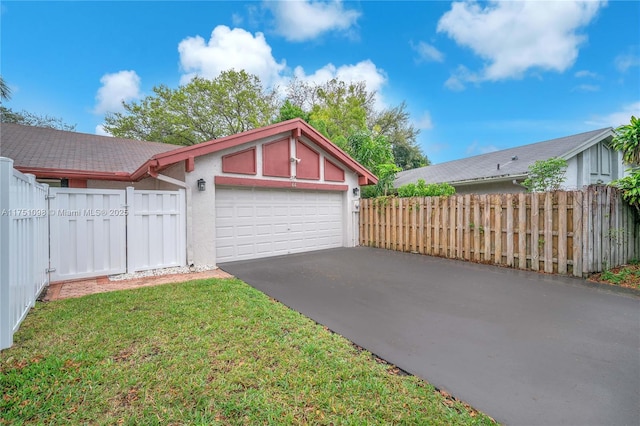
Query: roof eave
502, 178
587, 144
53, 173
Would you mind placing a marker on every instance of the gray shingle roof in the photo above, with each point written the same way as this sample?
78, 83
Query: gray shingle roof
481, 167
37, 147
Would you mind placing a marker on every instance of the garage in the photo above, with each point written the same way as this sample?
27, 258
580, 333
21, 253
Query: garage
254, 223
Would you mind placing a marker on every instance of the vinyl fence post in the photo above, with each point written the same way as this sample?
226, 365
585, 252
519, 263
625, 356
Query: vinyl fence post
6, 322
131, 260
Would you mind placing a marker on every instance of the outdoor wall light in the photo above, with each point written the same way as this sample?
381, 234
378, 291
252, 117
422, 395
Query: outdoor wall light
201, 185
356, 191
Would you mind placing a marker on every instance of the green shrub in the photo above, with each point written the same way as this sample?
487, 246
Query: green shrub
630, 186
421, 189
546, 175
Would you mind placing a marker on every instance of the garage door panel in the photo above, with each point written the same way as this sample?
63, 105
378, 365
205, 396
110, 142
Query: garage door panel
245, 231
253, 223
224, 212
263, 229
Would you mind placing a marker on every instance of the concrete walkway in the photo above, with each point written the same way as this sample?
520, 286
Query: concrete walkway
523, 347
79, 288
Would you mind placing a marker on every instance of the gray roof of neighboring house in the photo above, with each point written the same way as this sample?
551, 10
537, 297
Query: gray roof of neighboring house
484, 167
38, 147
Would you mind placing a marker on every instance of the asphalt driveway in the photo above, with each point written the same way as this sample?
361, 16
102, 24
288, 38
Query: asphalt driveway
525, 348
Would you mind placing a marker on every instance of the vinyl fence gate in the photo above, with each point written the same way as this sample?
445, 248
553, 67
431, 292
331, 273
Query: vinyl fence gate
97, 232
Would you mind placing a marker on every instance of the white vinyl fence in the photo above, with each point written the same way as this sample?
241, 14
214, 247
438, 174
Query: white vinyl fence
24, 247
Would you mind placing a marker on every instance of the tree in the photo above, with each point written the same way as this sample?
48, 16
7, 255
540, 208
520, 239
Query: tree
5, 90
345, 113
338, 109
376, 154
395, 124
26, 118
627, 140
289, 111
546, 175
199, 111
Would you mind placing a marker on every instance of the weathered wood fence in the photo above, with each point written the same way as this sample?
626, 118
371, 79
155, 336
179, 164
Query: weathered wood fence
575, 233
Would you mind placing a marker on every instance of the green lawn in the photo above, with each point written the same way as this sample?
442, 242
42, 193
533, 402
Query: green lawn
203, 352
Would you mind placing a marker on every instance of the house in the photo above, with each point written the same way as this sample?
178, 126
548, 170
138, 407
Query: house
590, 160
270, 191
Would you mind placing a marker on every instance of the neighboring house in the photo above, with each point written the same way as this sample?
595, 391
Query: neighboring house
275, 190
590, 160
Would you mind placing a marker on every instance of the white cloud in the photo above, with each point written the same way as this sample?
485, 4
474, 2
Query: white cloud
304, 20
516, 36
226, 49
435, 147
428, 52
366, 71
587, 88
628, 60
101, 131
116, 88
475, 148
617, 118
425, 122
585, 74
456, 82
237, 19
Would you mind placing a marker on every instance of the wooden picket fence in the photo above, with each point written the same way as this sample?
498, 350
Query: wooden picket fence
565, 232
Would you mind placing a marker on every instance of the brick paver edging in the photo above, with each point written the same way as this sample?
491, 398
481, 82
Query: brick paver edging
78, 288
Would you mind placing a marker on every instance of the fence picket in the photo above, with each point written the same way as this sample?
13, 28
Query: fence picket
548, 232
421, 225
498, 228
459, 227
486, 230
436, 226
429, 215
562, 232
522, 231
509, 229
535, 232
577, 233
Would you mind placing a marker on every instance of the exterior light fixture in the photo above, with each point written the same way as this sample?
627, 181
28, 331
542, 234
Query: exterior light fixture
356, 191
201, 184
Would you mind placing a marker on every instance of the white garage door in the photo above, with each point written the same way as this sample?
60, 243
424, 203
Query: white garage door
253, 223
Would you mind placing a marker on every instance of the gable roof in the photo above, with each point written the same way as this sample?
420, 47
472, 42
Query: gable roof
514, 162
57, 153
297, 127
50, 153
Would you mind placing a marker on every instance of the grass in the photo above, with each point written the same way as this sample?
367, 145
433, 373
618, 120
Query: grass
203, 352
623, 276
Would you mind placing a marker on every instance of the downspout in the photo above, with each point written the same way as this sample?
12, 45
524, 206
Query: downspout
187, 191
515, 182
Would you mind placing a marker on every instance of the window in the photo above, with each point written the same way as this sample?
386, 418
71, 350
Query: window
593, 151
605, 158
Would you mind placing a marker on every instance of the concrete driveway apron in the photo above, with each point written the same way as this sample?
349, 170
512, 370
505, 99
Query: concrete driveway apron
523, 347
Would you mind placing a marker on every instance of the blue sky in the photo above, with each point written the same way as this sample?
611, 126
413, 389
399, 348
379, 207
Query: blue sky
476, 76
